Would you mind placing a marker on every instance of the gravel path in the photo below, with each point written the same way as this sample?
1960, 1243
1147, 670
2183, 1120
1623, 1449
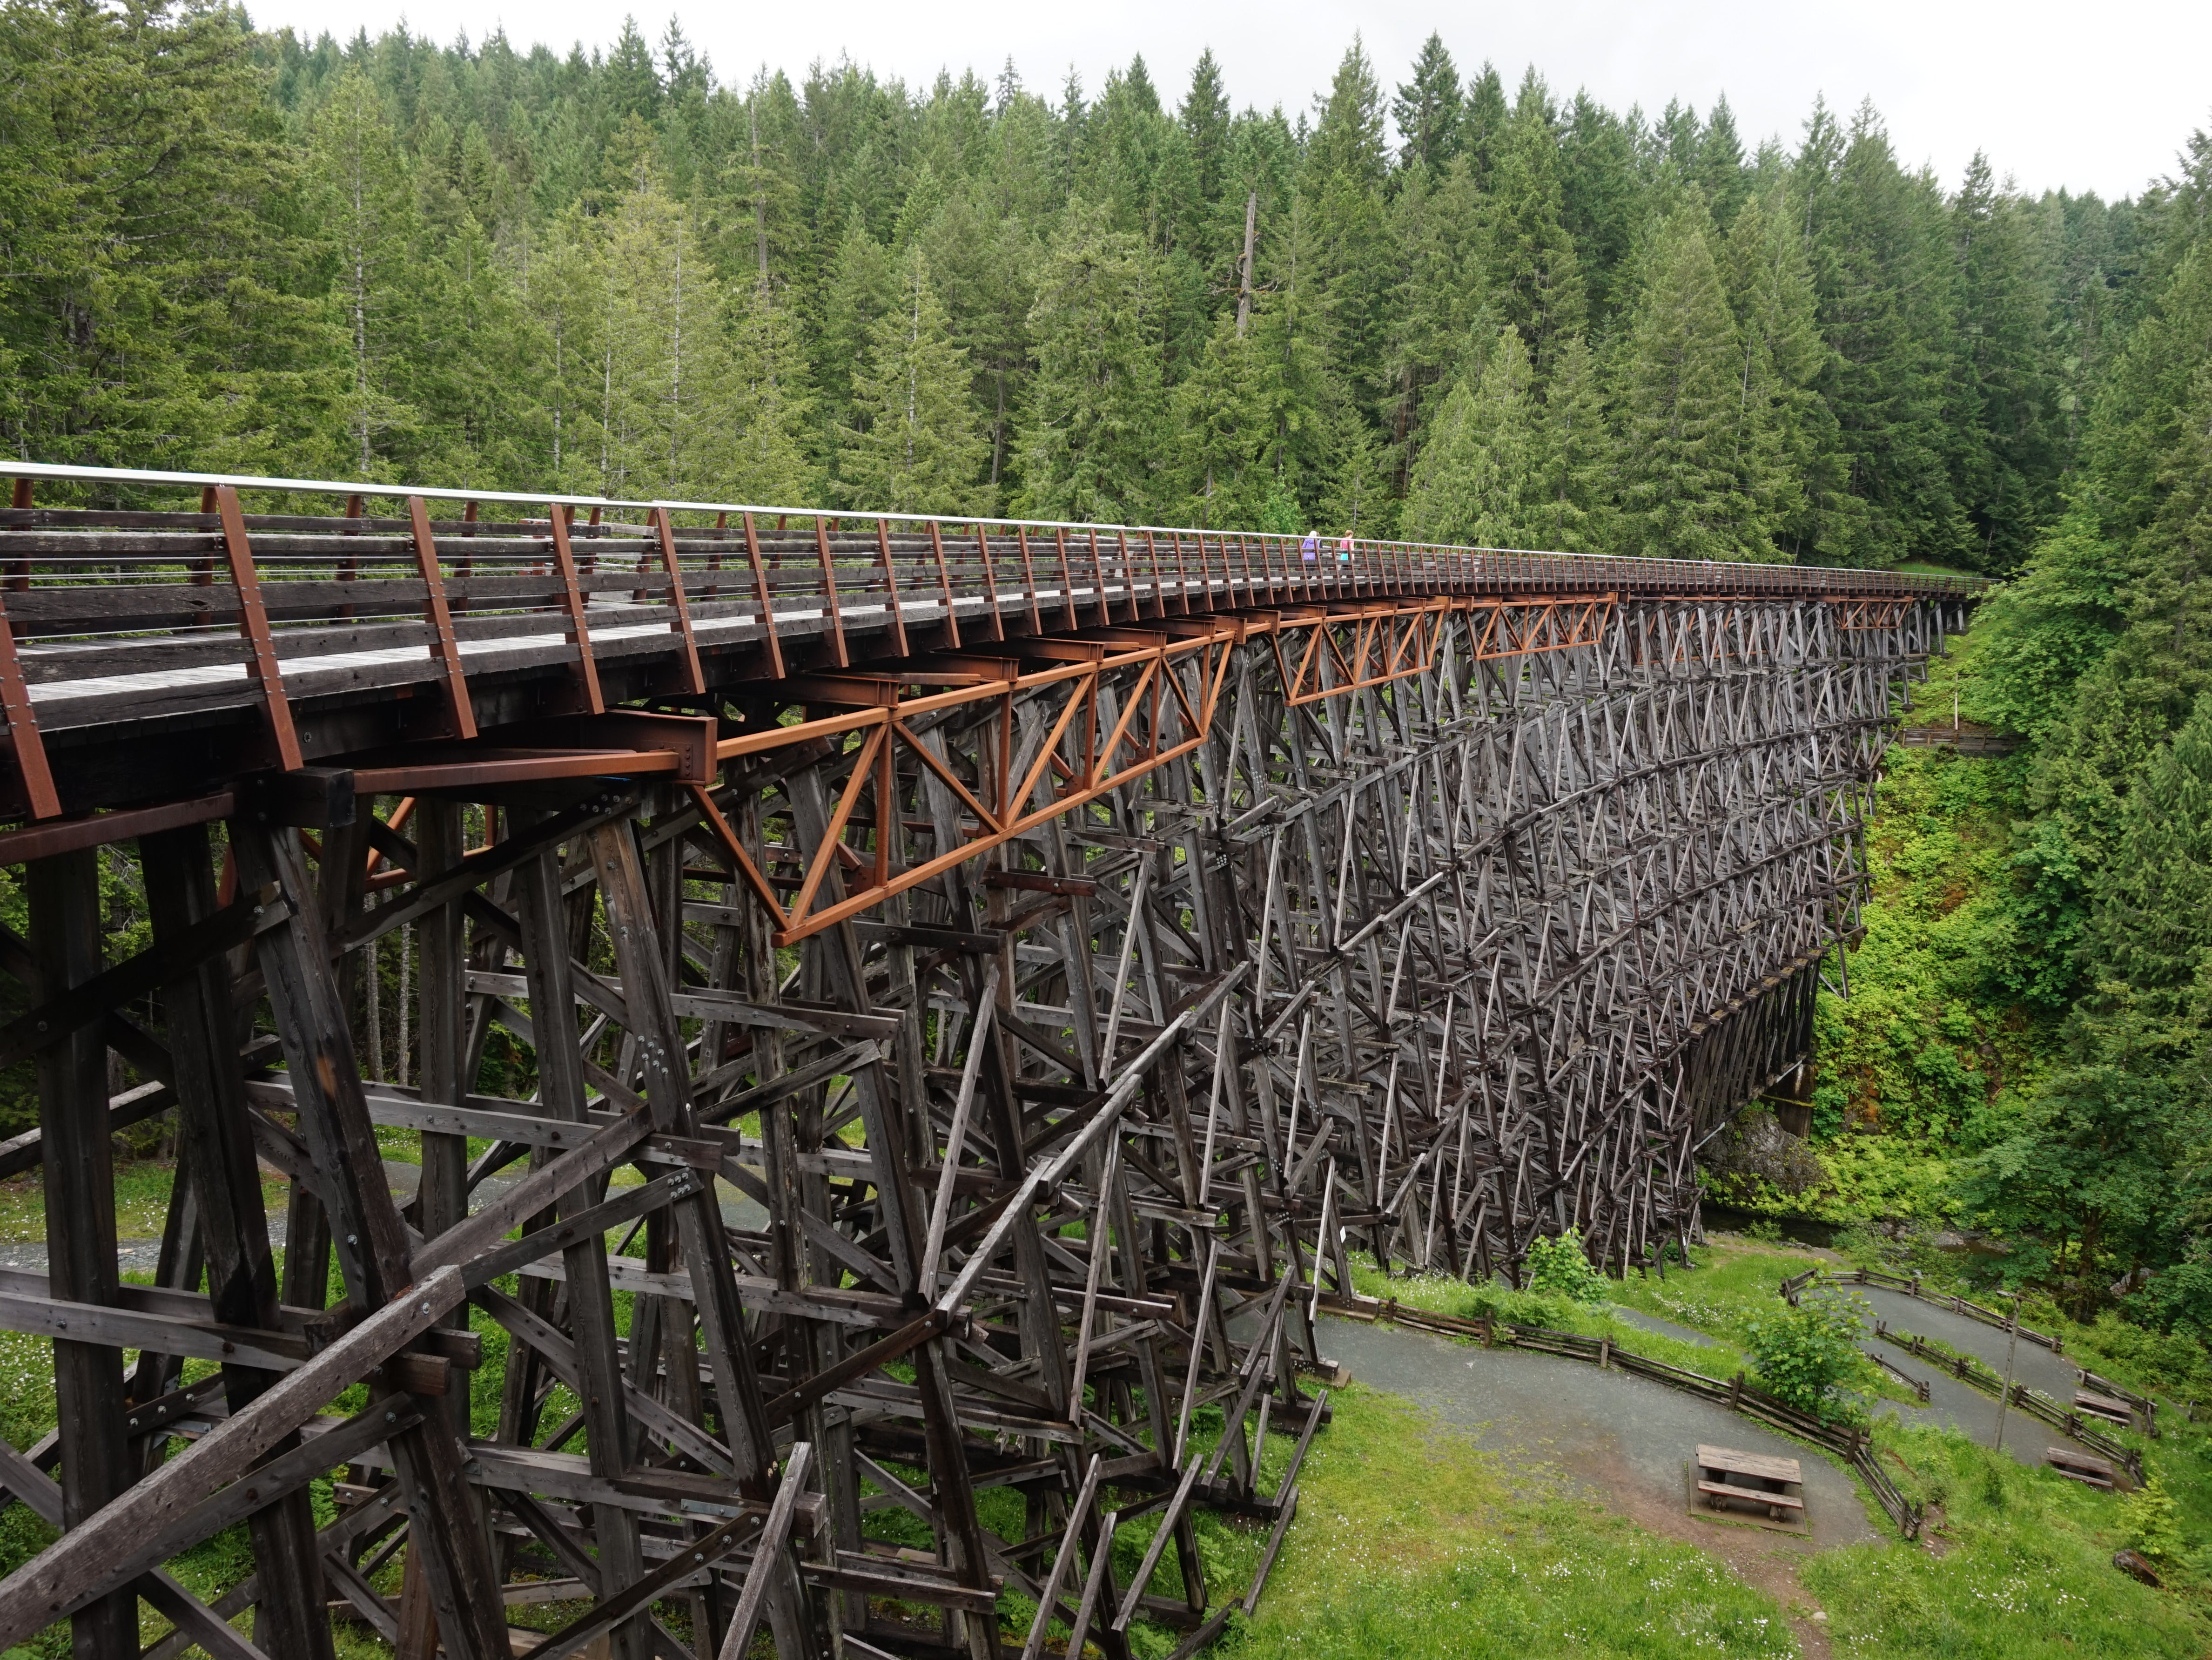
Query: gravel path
1961, 1405
1626, 1439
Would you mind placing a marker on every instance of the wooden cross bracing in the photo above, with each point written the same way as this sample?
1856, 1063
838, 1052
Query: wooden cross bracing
976, 1058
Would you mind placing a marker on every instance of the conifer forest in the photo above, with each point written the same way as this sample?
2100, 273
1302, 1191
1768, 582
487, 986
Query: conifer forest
1448, 301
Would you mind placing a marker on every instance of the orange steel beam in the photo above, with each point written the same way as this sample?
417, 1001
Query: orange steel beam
885, 736
1382, 641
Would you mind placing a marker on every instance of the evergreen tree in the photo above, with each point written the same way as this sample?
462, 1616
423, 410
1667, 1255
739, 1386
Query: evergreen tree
2005, 468
1345, 255
772, 409
561, 278
1882, 269
858, 290
1289, 393
2152, 927
915, 445
667, 395
1720, 170
367, 196
1482, 123
1204, 119
763, 231
1600, 200
1094, 439
1218, 437
1349, 141
1478, 481
1786, 442
1441, 304
1535, 284
1354, 496
1427, 109
1690, 453
1571, 508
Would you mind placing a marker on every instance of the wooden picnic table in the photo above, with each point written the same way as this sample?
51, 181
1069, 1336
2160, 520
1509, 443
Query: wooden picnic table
2081, 1467
1726, 1477
2105, 1407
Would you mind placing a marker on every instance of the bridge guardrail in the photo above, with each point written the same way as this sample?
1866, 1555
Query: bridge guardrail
110, 613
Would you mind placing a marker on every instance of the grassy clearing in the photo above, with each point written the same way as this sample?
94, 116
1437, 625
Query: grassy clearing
2020, 1569
1410, 1541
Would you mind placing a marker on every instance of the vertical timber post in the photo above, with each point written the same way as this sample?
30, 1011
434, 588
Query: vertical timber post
80, 1188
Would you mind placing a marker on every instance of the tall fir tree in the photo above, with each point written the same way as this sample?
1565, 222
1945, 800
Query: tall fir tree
1601, 200
1693, 482
1217, 437
1571, 509
2006, 466
857, 289
1428, 109
366, 191
667, 395
561, 275
1204, 117
1478, 480
1535, 282
1483, 119
1719, 168
1442, 302
1784, 435
1095, 438
771, 440
915, 445
1883, 275
1345, 257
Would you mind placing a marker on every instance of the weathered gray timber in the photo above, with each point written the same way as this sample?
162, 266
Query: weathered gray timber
978, 981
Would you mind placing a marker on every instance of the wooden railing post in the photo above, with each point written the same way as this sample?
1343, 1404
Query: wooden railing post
445, 650
261, 666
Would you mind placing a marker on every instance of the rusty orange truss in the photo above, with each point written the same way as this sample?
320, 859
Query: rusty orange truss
1352, 646
1346, 647
1115, 754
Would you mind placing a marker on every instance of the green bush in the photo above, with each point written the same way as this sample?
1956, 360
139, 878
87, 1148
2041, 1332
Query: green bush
1556, 1268
1803, 1355
2153, 1521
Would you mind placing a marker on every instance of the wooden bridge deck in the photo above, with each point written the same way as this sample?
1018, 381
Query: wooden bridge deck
127, 622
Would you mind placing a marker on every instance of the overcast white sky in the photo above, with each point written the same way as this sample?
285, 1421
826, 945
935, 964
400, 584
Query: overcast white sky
2080, 96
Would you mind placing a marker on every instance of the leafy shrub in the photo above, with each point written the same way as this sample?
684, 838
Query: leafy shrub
1556, 1268
1804, 1355
2153, 1521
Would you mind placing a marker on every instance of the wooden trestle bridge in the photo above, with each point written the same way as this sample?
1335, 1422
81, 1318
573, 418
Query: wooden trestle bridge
1017, 961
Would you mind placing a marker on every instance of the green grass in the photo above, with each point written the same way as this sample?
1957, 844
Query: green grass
142, 1201
2025, 1571
1412, 1542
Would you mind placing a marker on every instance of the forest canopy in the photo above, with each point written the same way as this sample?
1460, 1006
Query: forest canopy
1428, 303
